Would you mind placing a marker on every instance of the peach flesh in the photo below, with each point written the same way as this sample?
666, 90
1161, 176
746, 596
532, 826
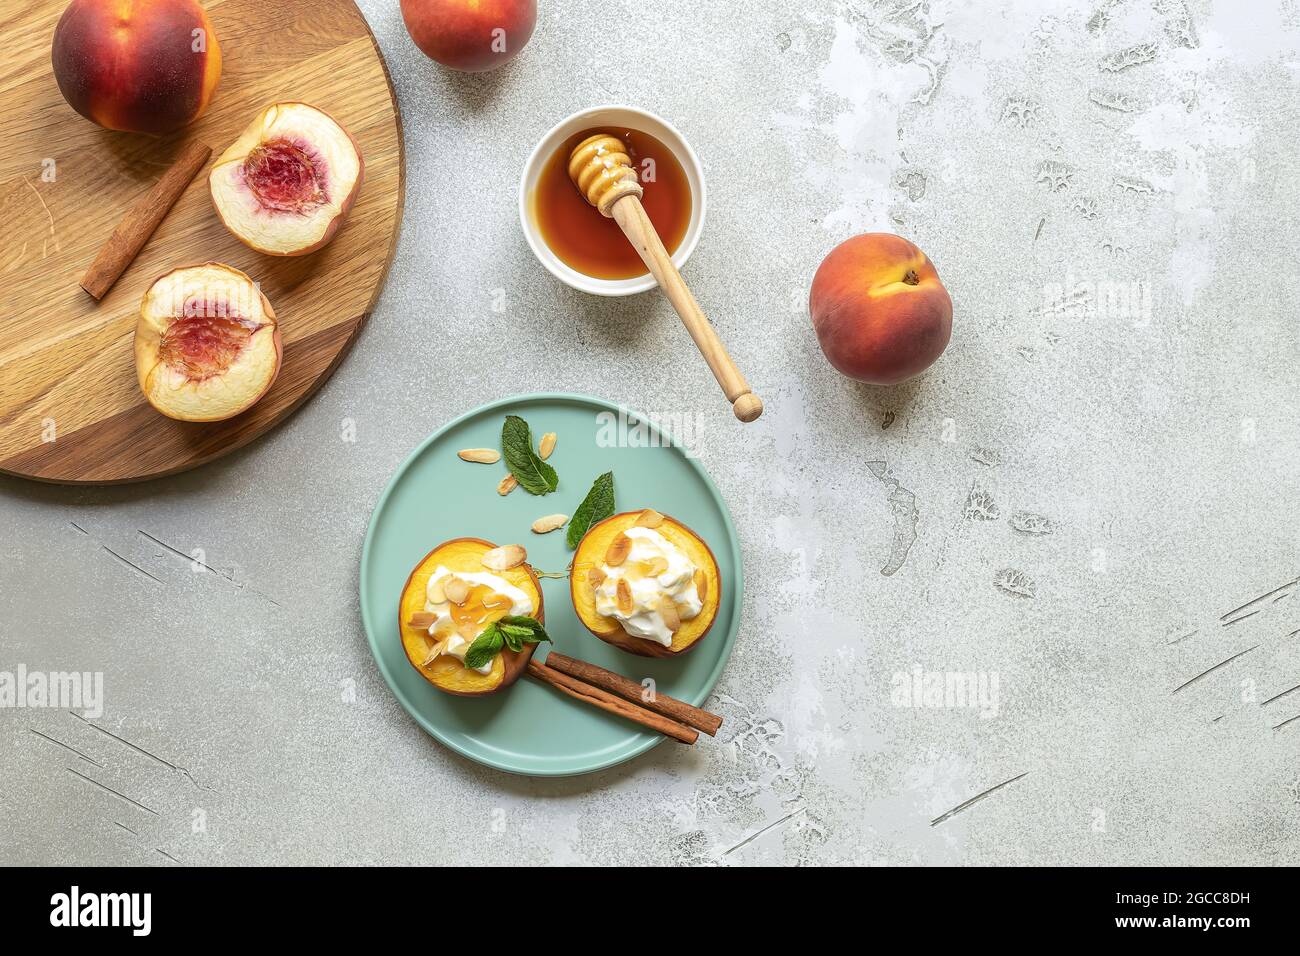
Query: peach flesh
286, 184
207, 346
283, 176
204, 344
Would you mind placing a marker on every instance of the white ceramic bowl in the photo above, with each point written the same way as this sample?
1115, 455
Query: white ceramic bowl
632, 118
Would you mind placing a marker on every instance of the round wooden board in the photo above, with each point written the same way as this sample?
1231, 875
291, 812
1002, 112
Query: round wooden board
70, 408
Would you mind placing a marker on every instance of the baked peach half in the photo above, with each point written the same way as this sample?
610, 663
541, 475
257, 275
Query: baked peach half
645, 583
207, 345
285, 186
457, 590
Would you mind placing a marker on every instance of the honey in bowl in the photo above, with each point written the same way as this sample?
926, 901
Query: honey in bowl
592, 244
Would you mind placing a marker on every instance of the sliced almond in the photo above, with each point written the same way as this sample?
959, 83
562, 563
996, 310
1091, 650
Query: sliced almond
505, 557
436, 593
655, 567
457, 591
484, 456
434, 652
618, 550
668, 610
596, 577
546, 445
423, 619
624, 595
649, 519
549, 523
701, 584
507, 485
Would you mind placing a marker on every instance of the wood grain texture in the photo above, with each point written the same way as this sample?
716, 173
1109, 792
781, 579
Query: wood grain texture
67, 369
143, 218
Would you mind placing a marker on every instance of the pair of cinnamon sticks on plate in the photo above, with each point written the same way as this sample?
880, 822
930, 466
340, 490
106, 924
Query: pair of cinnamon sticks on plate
616, 694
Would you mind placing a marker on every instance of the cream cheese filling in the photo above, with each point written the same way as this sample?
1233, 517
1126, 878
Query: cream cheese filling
444, 627
675, 581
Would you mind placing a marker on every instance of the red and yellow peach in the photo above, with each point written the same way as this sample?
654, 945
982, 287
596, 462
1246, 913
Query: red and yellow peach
142, 66
880, 312
470, 35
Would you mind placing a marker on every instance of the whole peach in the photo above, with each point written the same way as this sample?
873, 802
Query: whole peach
880, 311
144, 66
470, 35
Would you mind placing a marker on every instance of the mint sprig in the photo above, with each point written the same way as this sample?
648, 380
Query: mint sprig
512, 631
534, 475
596, 507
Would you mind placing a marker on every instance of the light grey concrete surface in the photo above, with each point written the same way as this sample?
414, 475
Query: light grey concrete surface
1072, 502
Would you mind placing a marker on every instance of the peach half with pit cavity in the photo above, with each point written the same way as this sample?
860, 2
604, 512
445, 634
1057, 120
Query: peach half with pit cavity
207, 346
284, 187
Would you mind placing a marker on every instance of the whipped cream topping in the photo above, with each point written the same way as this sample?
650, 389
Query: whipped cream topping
676, 582
443, 626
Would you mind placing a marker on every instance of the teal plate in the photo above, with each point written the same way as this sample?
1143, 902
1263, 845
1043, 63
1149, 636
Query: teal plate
530, 728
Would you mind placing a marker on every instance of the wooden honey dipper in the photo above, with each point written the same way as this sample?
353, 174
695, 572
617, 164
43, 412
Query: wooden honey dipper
602, 170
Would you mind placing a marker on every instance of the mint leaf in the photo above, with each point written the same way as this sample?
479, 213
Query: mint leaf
596, 507
485, 647
517, 623
515, 636
512, 631
534, 475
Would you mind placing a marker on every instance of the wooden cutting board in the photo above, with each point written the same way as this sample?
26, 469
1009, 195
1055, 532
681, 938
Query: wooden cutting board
70, 408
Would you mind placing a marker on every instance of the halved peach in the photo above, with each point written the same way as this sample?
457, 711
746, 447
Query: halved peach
284, 187
592, 554
207, 345
464, 556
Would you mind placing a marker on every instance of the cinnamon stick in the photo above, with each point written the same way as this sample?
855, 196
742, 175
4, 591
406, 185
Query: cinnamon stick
142, 219
678, 710
611, 704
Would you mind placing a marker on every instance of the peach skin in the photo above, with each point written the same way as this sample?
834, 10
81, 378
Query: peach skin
880, 311
470, 35
142, 66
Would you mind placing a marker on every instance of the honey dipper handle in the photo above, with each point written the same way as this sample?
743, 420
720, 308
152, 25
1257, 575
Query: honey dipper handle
632, 219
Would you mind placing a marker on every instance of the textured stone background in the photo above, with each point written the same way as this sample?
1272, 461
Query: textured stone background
1074, 500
